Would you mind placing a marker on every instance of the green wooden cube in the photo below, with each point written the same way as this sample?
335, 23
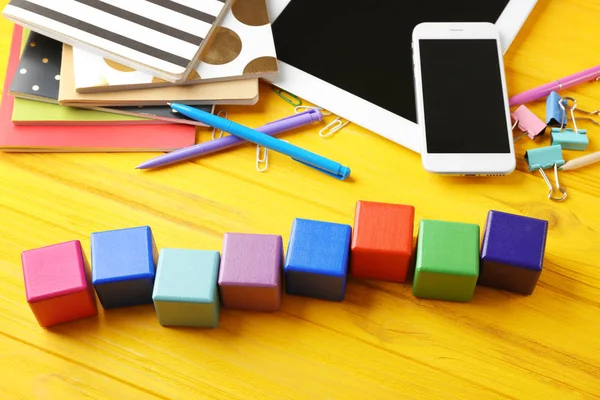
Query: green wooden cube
447, 264
185, 289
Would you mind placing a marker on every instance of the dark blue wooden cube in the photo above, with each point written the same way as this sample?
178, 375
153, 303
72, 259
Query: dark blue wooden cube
123, 266
512, 253
317, 259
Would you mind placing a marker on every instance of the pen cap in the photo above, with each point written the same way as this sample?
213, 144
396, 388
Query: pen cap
315, 115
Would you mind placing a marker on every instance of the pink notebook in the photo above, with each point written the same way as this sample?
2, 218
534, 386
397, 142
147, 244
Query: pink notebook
118, 138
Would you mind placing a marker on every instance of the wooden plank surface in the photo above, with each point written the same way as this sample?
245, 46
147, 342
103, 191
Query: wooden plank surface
380, 342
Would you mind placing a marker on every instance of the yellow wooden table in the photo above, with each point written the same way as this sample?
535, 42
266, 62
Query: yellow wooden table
380, 342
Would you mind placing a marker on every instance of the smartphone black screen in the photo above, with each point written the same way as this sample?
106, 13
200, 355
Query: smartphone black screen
463, 97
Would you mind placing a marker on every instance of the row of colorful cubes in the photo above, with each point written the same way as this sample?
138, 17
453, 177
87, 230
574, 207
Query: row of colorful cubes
188, 286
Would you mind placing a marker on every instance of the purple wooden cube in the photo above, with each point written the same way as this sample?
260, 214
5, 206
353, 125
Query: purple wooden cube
512, 252
250, 272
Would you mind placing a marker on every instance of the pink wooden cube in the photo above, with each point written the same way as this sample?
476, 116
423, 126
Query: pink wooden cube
55, 283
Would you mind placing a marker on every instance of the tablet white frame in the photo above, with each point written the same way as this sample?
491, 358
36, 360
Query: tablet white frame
364, 113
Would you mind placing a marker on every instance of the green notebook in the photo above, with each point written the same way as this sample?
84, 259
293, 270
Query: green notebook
37, 80
33, 112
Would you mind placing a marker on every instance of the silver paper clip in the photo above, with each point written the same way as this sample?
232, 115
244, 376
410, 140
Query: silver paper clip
557, 187
564, 105
262, 161
588, 116
262, 158
300, 109
547, 157
332, 127
214, 130
569, 139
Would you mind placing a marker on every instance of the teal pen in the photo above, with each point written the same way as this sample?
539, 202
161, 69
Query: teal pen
305, 157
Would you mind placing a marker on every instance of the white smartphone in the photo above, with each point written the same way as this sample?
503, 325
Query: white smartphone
461, 99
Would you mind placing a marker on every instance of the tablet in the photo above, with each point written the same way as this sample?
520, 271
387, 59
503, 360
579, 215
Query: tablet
353, 57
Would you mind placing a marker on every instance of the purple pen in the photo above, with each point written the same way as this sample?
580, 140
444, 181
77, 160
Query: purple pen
212, 146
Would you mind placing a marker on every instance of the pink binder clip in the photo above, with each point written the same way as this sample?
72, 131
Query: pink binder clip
528, 122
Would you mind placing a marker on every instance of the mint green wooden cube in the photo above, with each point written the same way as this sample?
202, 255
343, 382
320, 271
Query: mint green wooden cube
185, 289
447, 263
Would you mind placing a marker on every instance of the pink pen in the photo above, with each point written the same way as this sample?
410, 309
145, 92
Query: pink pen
564, 83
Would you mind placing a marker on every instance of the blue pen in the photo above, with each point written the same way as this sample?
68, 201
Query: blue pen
305, 157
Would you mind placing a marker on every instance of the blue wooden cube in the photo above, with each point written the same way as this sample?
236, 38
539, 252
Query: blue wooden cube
317, 259
185, 291
123, 266
512, 253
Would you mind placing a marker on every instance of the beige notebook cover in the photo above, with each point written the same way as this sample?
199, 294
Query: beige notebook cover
241, 92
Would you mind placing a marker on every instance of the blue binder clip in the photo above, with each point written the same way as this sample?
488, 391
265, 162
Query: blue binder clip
555, 112
570, 139
542, 158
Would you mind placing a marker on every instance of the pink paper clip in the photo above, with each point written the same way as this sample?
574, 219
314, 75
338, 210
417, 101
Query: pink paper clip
528, 122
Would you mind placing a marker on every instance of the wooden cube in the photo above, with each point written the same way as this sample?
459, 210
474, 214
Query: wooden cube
123, 266
512, 253
447, 264
55, 283
316, 264
382, 241
250, 272
185, 290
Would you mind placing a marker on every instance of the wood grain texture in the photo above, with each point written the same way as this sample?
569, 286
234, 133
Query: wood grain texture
316, 261
380, 342
512, 252
250, 272
382, 241
56, 285
447, 260
123, 266
185, 290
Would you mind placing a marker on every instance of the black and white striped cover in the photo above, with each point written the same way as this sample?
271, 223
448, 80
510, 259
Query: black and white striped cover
161, 37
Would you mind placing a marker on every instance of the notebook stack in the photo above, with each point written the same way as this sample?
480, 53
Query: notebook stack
79, 66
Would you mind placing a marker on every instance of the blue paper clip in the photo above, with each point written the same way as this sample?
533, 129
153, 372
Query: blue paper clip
570, 139
541, 158
555, 112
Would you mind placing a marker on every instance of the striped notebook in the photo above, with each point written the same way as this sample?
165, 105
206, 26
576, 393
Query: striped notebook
242, 47
161, 37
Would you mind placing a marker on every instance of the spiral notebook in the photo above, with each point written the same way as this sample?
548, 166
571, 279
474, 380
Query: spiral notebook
161, 37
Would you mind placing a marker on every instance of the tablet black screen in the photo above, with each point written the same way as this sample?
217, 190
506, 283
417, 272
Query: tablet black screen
364, 46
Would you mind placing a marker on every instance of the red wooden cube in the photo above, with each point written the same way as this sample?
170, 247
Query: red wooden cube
382, 241
55, 283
